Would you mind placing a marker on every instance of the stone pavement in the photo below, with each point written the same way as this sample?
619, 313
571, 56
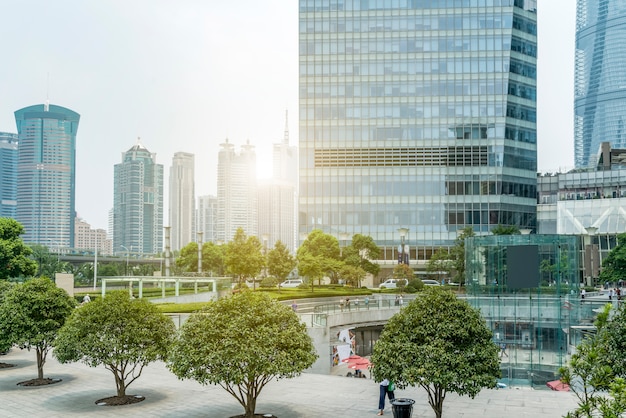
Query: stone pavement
309, 395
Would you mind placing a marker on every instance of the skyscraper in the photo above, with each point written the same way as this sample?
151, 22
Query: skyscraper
46, 174
236, 191
8, 174
600, 79
419, 115
182, 200
138, 202
206, 220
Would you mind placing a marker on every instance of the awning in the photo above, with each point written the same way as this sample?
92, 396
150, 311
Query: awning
558, 385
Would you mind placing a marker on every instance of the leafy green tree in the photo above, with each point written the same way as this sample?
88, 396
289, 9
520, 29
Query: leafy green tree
403, 272
32, 313
48, 264
5, 342
458, 254
244, 258
440, 343
14, 254
440, 264
213, 256
614, 265
242, 343
352, 275
319, 256
505, 230
187, 260
121, 333
360, 252
280, 262
111, 269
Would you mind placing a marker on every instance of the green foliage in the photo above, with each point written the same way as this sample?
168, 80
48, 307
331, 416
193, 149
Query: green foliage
318, 256
614, 264
280, 262
613, 338
14, 254
458, 254
402, 271
440, 263
352, 275
242, 343
48, 264
212, 258
440, 343
31, 314
243, 256
269, 281
121, 333
360, 252
415, 285
505, 230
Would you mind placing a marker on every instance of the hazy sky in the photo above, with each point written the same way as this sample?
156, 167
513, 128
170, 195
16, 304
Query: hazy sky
184, 75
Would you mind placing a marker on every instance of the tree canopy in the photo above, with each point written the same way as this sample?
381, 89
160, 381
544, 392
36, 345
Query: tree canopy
212, 258
242, 343
280, 262
440, 264
360, 252
458, 253
31, 314
318, 256
121, 333
15, 258
614, 264
440, 343
244, 258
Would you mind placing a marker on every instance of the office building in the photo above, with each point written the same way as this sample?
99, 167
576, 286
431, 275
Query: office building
600, 80
182, 200
236, 191
8, 174
138, 202
87, 239
417, 115
46, 174
206, 219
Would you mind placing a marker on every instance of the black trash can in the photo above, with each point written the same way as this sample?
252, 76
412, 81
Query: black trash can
402, 407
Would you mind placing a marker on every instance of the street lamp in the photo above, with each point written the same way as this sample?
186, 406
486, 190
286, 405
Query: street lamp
403, 257
200, 252
127, 255
265, 238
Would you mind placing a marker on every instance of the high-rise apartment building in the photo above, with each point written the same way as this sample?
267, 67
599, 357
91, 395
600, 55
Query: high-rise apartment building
89, 239
46, 174
182, 200
236, 191
600, 80
138, 202
8, 174
206, 220
417, 114
278, 196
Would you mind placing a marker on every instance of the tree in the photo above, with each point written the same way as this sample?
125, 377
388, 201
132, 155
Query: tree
212, 258
440, 264
458, 254
505, 230
360, 252
14, 254
31, 315
352, 275
440, 343
5, 342
403, 272
188, 258
242, 343
48, 264
318, 256
614, 265
280, 262
243, 256
121, 333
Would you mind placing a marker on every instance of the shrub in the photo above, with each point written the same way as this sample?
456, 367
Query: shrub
269, 281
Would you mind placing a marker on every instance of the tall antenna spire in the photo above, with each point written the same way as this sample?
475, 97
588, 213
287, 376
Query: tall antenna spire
46, 106
286, 138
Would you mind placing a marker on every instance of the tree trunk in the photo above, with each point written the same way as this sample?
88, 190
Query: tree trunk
250, 407
120, 385
41, 359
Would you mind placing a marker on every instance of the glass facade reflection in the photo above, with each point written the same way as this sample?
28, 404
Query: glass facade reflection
417, 114
46, 174
8, 174
600, 80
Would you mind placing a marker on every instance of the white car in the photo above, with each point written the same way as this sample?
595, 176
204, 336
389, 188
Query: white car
392, 283
430, 282
292, 283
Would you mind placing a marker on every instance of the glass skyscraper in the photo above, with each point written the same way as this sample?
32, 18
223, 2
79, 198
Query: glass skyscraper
46, 174
417, 114
600, 79
138, 202
8, 174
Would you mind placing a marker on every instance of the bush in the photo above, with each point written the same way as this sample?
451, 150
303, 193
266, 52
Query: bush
269, 282
414, 285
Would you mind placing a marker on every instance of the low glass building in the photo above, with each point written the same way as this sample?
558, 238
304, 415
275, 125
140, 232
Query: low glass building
527, 289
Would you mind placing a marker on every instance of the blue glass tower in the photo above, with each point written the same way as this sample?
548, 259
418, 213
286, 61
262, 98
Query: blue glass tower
417, 114
46, 173
8, 174
600, 79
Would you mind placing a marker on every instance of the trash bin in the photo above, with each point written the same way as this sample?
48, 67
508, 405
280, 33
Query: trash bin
402, 407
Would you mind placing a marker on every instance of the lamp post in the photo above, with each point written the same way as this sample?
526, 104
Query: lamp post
200, 252
127, 255
95, 263
590, 251
265, 238
403, 257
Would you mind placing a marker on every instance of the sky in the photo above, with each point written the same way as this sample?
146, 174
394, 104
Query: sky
185, 75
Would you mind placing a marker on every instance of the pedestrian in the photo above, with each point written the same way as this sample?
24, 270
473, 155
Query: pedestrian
503, 350
348, 303
294, 306
400, 300
582, 294
618, 292
610, 294
367, 302
386, 388
341, 303
86, 299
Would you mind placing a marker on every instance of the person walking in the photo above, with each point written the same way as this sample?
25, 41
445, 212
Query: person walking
294, 306
386, 388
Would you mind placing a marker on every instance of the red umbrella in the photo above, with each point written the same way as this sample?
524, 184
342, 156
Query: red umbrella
352, 359
360, 365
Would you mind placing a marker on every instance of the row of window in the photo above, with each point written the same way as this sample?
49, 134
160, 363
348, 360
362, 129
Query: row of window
340, 5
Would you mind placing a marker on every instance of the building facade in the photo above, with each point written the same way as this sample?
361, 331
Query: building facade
206, 219
417, 115
236, 191
46, 174
182, 200
8, 174
600, 82
89, 239
138, 203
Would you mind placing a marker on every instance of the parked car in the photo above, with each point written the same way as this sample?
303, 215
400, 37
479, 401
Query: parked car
392, 283
292, 283
430, 282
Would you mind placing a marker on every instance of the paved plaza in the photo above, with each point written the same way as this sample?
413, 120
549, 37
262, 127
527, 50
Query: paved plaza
310, 395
